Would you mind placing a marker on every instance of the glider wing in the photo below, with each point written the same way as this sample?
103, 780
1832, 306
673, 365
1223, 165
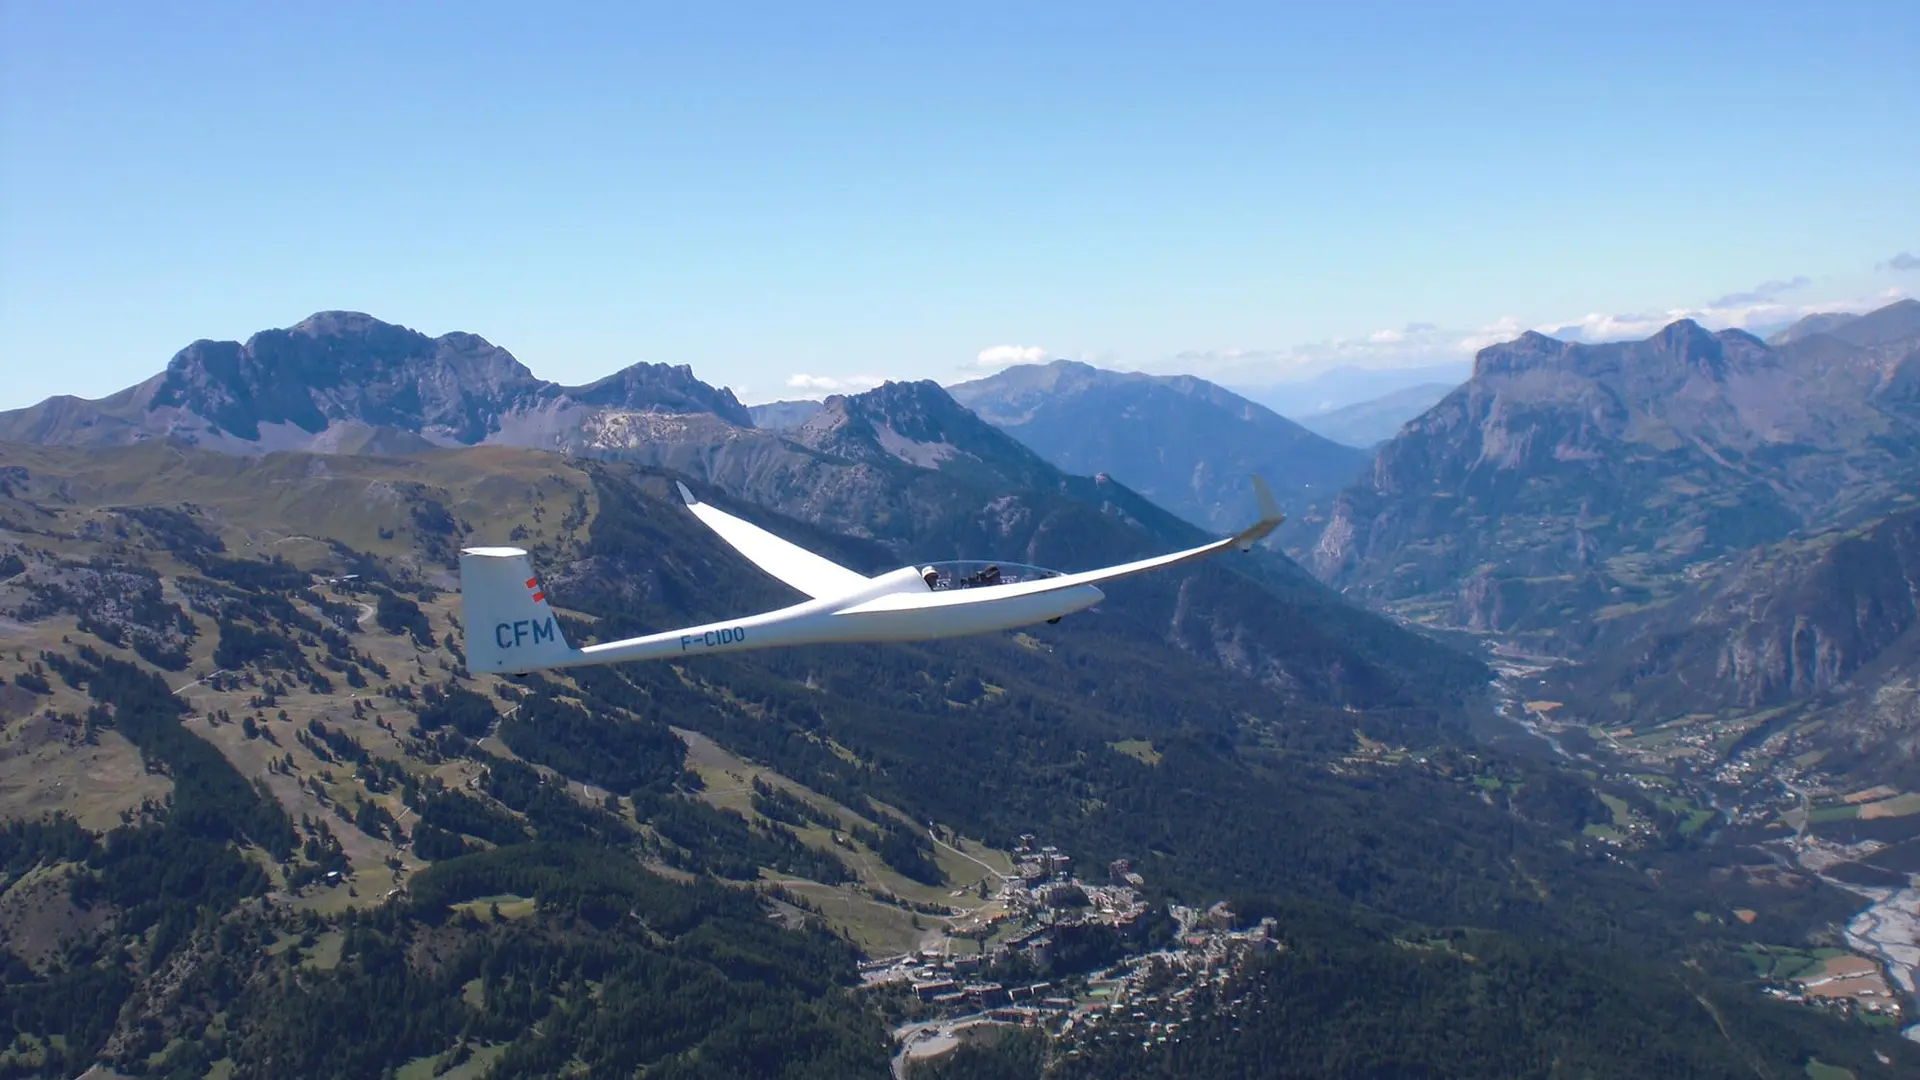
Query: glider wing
1270, 519
791, 563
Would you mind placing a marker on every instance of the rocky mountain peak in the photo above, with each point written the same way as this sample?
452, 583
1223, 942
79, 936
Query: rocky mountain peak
661, 387
1531, 350
1684, 334
919, 409
1671, 354
344, 365
918, 423
286, 389
337, 324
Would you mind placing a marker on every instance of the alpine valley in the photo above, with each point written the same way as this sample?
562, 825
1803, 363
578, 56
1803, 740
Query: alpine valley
262, 822
1700, 546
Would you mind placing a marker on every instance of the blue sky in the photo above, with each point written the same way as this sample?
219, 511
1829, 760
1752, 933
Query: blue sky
844, 192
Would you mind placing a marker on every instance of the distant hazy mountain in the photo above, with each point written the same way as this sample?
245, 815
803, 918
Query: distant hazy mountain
1894, 325
782, 415
1336, 389
1182, 441
1821, 323
1566, 478
1367, 424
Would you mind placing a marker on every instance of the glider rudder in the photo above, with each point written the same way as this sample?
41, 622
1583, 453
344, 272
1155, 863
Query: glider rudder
509, 625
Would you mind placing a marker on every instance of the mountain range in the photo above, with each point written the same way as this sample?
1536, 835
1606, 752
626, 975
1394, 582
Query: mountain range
1565, 481
1367, 424
904, 465
1323, 392
287, 511
1695, 554
339, 378
1182, 441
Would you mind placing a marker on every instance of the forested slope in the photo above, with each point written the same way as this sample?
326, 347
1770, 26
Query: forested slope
536, 874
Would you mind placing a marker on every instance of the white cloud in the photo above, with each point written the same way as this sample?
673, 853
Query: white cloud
1424, 345
999, 356
830, 384
1595, 326
1421, 344
1505, 328
1761, 293
1742, 314
1414, 346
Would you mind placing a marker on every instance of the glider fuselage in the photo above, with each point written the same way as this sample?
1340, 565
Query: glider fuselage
827, 620
510, 627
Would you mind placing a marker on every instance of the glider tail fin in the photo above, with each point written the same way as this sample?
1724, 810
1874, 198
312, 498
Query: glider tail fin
509, 626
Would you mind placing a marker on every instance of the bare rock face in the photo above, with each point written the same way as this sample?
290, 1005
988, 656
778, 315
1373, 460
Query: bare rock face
345, 366
1565, 479
1834, 614
1815, 640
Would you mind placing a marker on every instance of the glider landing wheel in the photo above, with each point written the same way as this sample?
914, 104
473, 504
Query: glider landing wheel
1053, 620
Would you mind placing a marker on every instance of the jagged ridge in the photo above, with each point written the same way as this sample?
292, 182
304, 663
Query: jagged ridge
286, 389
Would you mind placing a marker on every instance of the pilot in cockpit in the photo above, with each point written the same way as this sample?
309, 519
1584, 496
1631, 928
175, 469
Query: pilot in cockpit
988, 576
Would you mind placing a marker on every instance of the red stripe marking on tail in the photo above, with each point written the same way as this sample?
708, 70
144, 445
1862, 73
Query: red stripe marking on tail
532, 582
539, 596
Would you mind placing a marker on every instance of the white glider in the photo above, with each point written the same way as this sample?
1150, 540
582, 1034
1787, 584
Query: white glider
510, 628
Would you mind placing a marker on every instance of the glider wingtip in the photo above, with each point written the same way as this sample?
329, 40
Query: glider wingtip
685, 495
1270, 515
1269, 507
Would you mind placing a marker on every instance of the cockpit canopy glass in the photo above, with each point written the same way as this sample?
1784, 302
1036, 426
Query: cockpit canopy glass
974, 574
